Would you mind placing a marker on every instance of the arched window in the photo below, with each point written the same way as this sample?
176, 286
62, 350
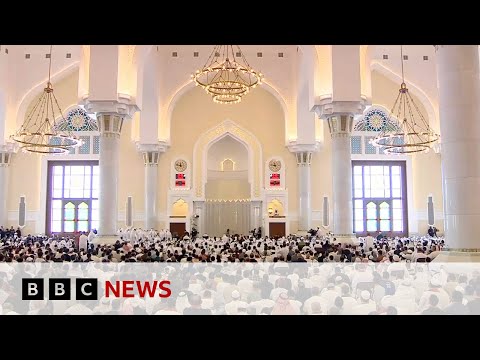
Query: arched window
228, 165
77, 120
379, 197
72, 196
376, 120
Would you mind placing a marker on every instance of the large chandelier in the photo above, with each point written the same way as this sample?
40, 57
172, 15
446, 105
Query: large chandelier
226, 75
39, 132
414, 135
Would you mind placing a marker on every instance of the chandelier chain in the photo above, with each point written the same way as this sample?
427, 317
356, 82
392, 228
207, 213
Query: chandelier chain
38, 132
415, 134
401, 57
50, 64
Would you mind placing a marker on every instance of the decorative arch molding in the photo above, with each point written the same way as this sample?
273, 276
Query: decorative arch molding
76, 119
37, 90
166, 118
377, 118
211, 136
430, 106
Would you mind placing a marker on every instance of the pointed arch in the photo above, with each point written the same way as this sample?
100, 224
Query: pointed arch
166, 117
377, 119
37, 90
210, 137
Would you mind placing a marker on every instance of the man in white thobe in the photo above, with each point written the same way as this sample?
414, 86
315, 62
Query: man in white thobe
91, 236
83, 242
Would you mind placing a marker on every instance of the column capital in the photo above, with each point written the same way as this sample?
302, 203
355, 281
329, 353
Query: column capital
6, 152
110, 124
151, 152
325, 107
340, 124
160, 146
294, 147
304, 158
123, 105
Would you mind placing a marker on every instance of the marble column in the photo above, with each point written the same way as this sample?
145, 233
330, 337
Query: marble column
151, 184
459, 104
110, 126
304, 160
340, 126
5, 158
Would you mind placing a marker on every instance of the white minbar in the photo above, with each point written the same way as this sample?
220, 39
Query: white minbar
340, 126
151, 156
5, 159
459, 104
304, 161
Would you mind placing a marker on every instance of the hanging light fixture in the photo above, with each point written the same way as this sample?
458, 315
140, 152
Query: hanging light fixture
414, 134
226, 75
39, 132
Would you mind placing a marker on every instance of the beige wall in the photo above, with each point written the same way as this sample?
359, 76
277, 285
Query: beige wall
227, 189
132, 176
321, 180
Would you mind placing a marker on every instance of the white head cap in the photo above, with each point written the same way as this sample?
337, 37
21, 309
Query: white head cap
365, 295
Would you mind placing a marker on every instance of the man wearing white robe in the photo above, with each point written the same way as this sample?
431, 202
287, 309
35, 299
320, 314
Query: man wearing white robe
91, 237
365, 306
83, 242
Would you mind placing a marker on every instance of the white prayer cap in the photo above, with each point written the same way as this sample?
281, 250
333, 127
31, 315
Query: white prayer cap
330, 286
338, 278
435, 281
460, 289
396, 258
409, 251
235, 294
365, 295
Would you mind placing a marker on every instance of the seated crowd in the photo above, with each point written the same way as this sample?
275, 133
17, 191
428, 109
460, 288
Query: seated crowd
384, 278
137, 245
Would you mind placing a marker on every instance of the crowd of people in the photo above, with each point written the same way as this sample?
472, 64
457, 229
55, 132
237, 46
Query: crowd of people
137, 245
378, 275
266, 288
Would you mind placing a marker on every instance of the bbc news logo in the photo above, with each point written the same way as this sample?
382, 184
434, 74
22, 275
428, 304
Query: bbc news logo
59, 289
87, 289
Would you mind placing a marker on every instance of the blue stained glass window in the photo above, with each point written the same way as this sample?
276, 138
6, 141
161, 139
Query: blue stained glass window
369, 148
55, 141
356, 143
85, 148
376, 120
77, 120
96, 144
